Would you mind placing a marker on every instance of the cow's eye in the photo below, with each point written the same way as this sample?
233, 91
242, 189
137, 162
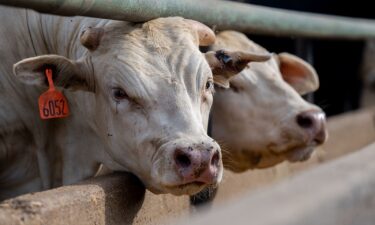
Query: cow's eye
119, 94
209, 85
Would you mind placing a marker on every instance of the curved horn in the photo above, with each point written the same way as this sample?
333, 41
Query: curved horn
205, 34
225, 64
229, 63
90, 37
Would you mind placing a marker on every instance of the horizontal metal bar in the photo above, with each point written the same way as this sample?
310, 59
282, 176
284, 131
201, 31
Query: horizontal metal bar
219, 14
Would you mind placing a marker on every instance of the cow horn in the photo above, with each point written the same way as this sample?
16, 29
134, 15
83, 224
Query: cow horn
205, 34
91, 36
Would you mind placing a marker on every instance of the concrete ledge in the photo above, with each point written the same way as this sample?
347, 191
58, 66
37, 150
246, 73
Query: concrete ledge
113, 199
349, 132
341, 192
99, 201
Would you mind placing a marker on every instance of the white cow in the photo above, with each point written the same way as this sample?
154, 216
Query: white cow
139, 96
261, 120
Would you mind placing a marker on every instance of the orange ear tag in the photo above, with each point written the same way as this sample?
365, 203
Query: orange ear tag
52, 103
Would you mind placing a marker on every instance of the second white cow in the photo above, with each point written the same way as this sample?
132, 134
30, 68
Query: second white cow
262, 120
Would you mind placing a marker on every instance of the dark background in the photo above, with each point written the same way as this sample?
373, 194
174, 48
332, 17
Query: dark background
336, 61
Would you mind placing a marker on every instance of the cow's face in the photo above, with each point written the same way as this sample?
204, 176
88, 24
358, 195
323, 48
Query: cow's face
153, 92
262, 118
153, 96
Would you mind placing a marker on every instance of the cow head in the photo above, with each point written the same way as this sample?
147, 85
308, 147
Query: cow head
261, 119
152, 91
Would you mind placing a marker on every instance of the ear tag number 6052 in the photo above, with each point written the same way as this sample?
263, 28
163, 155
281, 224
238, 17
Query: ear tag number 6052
52, 103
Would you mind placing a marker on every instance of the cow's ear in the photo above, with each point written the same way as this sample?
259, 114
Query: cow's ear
225, 64
66, 73
298, 73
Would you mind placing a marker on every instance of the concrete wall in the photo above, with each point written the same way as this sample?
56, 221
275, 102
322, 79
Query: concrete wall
341, 192
115, 199
121, 199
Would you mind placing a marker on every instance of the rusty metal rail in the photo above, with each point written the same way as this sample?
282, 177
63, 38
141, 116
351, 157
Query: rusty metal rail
221, 14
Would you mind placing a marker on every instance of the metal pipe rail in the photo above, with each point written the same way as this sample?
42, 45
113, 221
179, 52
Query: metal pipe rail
215, 13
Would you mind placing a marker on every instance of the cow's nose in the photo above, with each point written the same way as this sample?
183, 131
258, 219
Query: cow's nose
197, 164
314, 123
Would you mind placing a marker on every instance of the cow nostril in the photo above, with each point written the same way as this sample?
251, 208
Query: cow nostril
305, 121
320, 137
182, 160
215, 159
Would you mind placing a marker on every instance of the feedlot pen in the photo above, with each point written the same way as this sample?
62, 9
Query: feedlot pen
336, 186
